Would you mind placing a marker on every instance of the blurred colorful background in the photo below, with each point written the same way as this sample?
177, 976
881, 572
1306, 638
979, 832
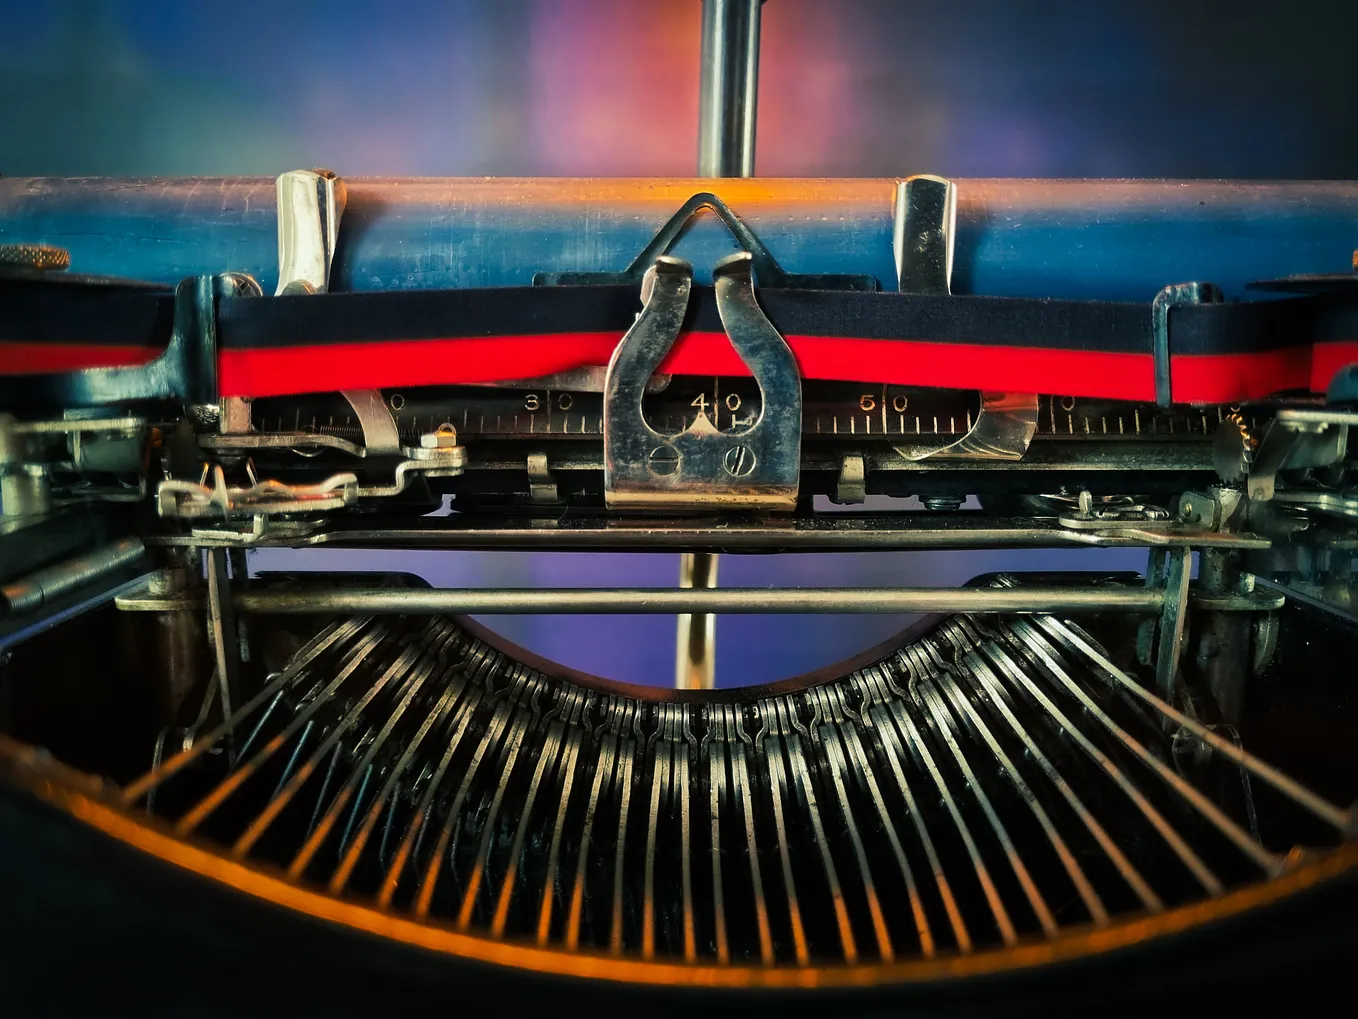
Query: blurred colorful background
576, 87
610, 87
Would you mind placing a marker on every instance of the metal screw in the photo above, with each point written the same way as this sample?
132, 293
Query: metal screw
663, 460
739, 461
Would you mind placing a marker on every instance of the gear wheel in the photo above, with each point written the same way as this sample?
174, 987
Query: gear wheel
34, 257
1233, 449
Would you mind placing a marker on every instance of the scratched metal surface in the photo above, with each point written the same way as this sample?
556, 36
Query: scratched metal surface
1115, 239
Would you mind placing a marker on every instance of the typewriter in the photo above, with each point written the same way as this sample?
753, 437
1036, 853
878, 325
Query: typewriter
228, 790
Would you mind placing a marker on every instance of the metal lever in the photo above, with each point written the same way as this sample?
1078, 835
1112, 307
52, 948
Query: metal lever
310, 204
1175, 295
924, 234
924, 239
756, 468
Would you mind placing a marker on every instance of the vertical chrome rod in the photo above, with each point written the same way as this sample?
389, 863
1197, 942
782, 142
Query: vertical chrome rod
729, 89
727, 98
695, 650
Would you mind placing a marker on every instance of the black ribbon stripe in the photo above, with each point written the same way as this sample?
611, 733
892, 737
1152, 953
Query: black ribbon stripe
46, 314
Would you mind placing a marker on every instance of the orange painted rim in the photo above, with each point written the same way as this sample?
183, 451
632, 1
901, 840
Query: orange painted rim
86, 799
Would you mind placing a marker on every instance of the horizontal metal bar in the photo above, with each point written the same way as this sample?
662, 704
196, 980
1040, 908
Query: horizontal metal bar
735, 601
141, 600
65, 426
848, 532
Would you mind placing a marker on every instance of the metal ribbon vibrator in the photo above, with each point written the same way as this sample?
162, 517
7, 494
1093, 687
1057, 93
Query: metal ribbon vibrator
1056, 787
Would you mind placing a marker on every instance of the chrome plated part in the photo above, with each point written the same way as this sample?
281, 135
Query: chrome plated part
1217, 508
310, 204
380, 436
851, 488
436, 462
577, 380
728, 103
187, 500
695, 659
541, 485
1110, 511
630, 601
263, 501
728, 93
756, 468
1004, 426
924, 231
1173, 296
842, 531
146, 598
25, 490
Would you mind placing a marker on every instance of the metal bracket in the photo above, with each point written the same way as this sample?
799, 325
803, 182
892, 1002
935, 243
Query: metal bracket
756, 468
186, 370
923, 240
187, 500
1109, 511
766, 269
541, 485
1173, 296
1215, 509
925, 227
1298, 438
852, 487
